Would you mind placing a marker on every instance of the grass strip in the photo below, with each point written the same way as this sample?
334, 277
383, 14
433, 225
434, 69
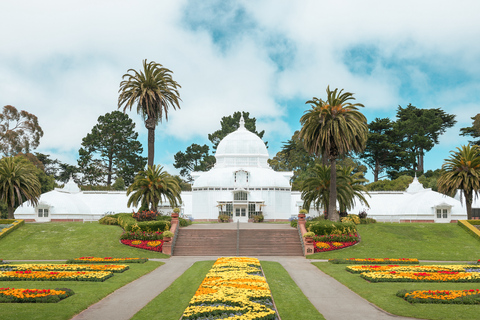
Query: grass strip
384, 295
170, 304
290, 301
67, 240
424, 241
86, 294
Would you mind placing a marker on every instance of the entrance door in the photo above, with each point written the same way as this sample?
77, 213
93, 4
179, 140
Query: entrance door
240, 214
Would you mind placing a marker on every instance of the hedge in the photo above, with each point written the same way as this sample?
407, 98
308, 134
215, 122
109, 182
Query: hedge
327, 227
128, 223
467, 225
16, 224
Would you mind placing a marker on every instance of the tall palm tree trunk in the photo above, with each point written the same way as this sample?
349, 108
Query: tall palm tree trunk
150, 125
332, 203
11, 210
468, 204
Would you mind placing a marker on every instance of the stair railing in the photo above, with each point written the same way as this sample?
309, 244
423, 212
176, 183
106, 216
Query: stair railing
238, 237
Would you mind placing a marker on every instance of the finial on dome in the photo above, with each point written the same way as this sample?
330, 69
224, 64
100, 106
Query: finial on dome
242, 122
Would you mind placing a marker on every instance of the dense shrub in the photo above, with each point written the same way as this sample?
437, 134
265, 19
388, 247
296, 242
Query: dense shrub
108, 220
337, 238
367, 220
327, 227
182, 222
141, 235
128, 223
145, 215
223, 218
351, 218
258, 218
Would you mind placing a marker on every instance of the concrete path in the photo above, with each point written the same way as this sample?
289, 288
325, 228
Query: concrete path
331, 298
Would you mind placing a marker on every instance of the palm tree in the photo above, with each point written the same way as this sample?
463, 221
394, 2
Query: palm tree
349, 186
153, 90
462, 172
333, 128
18, 183
153, 186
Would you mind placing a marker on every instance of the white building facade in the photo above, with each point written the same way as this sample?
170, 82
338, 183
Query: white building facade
242, 185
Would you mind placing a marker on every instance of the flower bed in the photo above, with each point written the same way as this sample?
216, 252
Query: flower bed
155, 245
233, 288
470, 296
416, 268
12, 225
115, 268
142, 235
440, 276
107, 260
374, 260
19, 295
321, 246
337, 237
55, 275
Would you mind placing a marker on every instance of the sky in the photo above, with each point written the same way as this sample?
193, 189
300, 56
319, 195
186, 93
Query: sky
64, 60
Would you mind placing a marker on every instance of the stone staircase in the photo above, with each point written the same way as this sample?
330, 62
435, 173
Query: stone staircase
256, 242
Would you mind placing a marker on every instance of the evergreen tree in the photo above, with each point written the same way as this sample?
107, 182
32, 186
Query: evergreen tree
111, 150
473, 131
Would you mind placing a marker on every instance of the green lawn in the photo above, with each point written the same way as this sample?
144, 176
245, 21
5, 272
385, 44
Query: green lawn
289, 299
424, 241
383, 295
62, 241
86, 294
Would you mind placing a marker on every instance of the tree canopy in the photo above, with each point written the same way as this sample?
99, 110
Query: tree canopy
111, 150
18, 183
195, 158
473, 131
153, 91
19, 131
333, 128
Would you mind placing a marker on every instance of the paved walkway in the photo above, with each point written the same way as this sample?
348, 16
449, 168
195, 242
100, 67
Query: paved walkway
331, 298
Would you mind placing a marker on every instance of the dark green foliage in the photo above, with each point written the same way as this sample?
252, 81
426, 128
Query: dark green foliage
399, 184
473, 131
337, 237
258, 218
111, 149
367, 220
327, 227
294, 223
140, 235
128, 223
195, 158
223, 218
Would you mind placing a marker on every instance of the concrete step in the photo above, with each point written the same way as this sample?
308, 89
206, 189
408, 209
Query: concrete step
256, 242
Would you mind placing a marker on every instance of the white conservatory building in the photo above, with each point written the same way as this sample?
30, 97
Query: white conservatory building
242, 184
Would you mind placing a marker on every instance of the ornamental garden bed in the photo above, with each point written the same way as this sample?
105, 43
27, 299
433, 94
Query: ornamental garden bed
64, 267
374, 260
469, 296
107, 260
440, 276
414, 268
234, 287
152, 245
55, 275
19, 295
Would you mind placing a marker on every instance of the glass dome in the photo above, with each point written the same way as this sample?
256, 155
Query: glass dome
241, 148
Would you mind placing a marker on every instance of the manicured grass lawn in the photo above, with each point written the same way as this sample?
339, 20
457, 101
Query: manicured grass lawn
291, 303
67, 240
86, 294
424, 241
289, 299
383, 295
170, 304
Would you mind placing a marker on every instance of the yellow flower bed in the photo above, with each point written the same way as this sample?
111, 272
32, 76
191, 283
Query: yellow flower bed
107, 260
413, 268
374, 260
153, 243
33, 295
235, 289
116, 268
55, 275
440, 276
470, 296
